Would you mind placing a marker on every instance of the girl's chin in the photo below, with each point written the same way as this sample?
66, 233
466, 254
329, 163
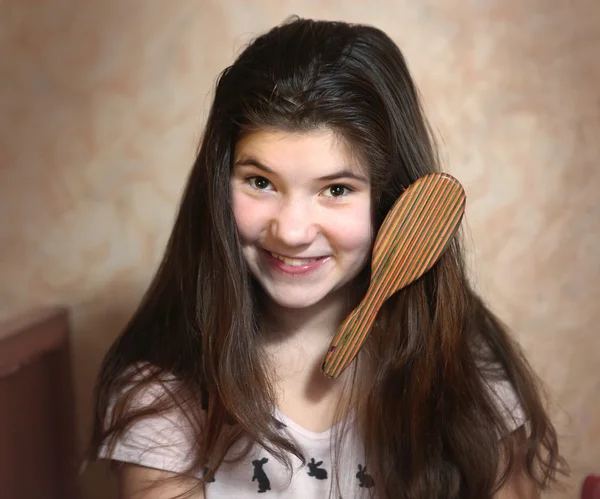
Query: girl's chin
290, 301
294, 304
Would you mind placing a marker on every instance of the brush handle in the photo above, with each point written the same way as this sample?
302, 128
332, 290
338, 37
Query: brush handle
348, 338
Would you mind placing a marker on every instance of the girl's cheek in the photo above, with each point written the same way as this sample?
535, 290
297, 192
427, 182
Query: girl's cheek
352, 230
240, 211
250, 215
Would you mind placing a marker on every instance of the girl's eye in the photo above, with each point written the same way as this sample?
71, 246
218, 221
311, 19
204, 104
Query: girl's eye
337, 191
260, 183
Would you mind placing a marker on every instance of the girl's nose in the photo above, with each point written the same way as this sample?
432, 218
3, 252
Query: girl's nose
294, 224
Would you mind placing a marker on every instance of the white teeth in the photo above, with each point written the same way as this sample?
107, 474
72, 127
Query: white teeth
294, 262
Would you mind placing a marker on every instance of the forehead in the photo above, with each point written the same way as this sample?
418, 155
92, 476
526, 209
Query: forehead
280, 149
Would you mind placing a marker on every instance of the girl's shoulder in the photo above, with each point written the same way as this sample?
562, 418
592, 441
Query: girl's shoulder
499, 388
505, 398
149, 421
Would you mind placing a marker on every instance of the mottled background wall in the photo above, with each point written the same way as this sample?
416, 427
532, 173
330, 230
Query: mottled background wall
102, 103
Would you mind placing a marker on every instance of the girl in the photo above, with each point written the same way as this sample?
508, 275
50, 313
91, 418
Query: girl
214, 388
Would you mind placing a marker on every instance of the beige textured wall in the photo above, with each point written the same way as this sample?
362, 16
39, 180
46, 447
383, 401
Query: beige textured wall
102, 102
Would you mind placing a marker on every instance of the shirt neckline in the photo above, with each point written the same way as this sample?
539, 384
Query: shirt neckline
312, 435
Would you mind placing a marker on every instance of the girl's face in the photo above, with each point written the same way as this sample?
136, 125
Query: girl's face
303, 210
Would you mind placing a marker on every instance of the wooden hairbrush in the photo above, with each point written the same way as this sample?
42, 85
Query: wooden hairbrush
415, 232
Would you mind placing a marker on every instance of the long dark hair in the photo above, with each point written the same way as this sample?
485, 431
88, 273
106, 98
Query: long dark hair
429, 424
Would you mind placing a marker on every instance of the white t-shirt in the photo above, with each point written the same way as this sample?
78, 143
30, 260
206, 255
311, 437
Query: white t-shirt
165, 442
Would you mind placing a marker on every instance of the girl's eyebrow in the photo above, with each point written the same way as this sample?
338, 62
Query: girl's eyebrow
249, 161
344, 173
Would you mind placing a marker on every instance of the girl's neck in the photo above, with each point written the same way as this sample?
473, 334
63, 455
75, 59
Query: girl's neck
316, 324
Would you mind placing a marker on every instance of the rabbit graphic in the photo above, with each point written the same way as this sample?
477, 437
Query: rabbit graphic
259, 474
314, 470
364, 479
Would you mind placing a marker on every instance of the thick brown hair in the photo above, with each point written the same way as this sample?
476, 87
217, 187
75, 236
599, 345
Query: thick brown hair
430, 427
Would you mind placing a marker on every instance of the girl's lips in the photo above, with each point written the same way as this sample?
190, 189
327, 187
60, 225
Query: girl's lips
302, 269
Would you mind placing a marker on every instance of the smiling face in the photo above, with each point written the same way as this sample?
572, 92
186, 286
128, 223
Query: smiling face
302, 206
